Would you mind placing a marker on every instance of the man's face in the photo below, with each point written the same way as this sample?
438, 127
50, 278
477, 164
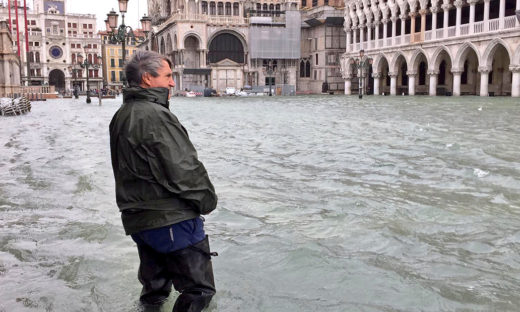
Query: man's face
164, 78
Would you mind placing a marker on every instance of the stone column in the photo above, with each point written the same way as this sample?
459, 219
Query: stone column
377, 79
518, 9
486, 15
472, 15
446, 8
385, 28
403, 26
456, 81
412, 26
515, 83
434, 22
361, 36
484, 78
355, 38
411, 82
423, 23
393, 83
348, 82
394, 28
369, 34
433, 82
349, 34
458, 5
376, 29
501, 14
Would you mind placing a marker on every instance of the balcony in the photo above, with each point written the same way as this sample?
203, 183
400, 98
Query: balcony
465, 30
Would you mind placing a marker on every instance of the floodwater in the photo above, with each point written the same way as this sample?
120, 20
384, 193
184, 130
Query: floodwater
326, 203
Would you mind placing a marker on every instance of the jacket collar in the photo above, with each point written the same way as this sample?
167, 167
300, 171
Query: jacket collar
154, 95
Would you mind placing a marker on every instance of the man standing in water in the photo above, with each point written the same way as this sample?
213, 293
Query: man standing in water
161, 188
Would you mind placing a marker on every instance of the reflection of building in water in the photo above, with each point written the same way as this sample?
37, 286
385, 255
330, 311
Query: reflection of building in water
434, 47
55, 40
227, 44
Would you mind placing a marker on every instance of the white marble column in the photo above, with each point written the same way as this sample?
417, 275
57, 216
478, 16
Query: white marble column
394, 28
434, 22
433, 82
484, 79
411, 82
376, 29
515, 83
361, 37
385, 29
348, 82
446, 8
472, 15
393, 83
501, 14
458, 6
423, 23
349, 37
486, 15
456, 81
518, 9
355, 38
403, 27
377, 79
369, 34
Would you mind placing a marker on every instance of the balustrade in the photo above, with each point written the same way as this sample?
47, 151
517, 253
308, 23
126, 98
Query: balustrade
509, 22
464, 29
439, 33
452, 31
428, 35
494, 24
478, 27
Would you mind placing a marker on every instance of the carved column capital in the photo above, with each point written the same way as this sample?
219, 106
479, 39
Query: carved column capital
446, 6
433, 72
423, 11
514, 68
484, 69
394, 18
458, 4
457, 71
472, 2
376, 75
392, 75
412, 14
411, 73
435, 10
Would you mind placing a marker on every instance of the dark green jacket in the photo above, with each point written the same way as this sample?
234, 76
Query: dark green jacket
159, 179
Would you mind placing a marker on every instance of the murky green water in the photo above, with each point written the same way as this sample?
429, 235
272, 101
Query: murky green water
327, 203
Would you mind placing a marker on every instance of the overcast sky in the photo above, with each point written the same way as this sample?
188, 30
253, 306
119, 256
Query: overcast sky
136, 9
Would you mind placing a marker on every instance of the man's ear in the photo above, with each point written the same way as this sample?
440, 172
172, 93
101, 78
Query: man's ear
145, 80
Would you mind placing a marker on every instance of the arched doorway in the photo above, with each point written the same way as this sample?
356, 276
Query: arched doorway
500, 77
191, 53
470, 79
418, 80
224, 46
441, 79
400, 69
57, 79
226, 56
381, 78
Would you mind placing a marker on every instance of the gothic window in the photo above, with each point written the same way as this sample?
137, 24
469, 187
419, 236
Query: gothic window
228, 8
204, 7
220, 7
31, 57
302, 68
212, 10
37, 57
308, 69
236, 10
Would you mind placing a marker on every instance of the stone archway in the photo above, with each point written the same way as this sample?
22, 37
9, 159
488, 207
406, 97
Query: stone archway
441, 79
399, 76
226, 45
191, 55
498, 59
381, 75
465, 71
57, 79
418, 82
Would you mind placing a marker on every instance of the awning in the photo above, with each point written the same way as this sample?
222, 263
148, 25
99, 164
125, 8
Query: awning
313, 22
334, 21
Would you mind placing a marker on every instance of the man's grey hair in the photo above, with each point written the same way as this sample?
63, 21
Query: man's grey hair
143, 62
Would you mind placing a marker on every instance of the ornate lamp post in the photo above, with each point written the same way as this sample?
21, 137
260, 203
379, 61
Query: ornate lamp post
73, 70
361, 64
270, 69
86, 64
122, 33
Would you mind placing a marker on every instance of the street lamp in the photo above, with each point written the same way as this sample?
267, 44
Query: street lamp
270, 69
84, 63
73, 70
361, 64
122, 33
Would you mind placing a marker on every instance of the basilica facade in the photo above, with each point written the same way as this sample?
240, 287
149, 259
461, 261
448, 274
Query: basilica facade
222, 44
432, 47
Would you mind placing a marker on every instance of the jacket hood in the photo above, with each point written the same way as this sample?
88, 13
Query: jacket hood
155, 95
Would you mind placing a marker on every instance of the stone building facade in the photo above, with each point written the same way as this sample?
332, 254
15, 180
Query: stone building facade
222, 44
9, 63
55, 40
322, 44
433, 47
